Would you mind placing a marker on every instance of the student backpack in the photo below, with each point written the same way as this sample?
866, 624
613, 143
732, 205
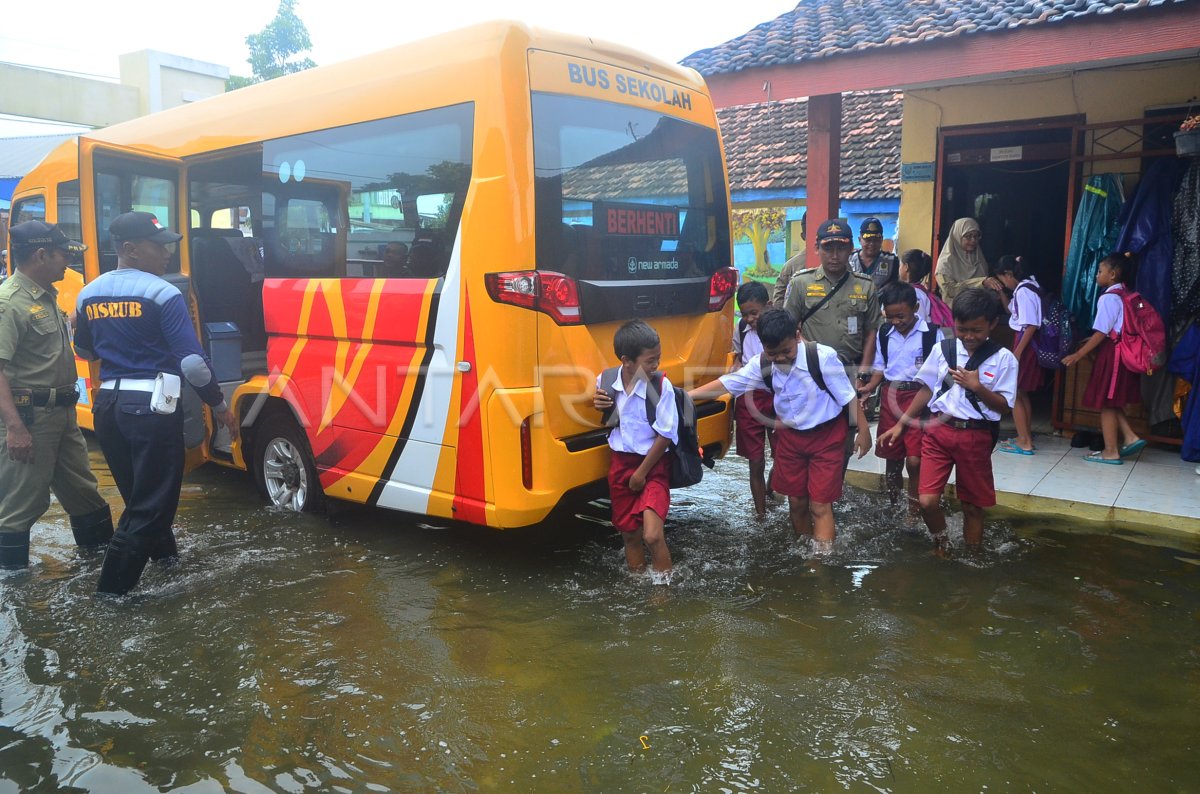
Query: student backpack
1142, 344
687, 460
985, 351
1055, 337
928, 340
939, 313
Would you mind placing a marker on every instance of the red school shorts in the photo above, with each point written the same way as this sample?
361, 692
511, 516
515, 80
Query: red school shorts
754, 408
968, 452
627, 504
892, 404
808, 463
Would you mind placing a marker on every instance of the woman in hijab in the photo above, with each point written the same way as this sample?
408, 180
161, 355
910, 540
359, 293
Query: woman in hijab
961, 263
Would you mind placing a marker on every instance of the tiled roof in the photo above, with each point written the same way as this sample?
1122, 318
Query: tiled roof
821, 28
766, 144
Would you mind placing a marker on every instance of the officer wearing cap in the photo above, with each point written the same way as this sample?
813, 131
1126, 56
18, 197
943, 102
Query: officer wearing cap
137, 324
871, 260
833, 305
41, 448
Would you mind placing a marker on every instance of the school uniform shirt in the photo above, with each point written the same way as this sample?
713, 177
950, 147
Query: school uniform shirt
635, 433
905, 353
799, 402
998, 372
1110, 311
747, 348
1025, 306
922, 304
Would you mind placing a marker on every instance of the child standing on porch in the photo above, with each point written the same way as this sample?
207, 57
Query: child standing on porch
1025, 318
1111, 386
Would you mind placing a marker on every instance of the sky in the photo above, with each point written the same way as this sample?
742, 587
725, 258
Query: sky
91, 35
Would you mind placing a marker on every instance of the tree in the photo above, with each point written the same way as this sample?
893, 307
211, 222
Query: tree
758, 225
273, 51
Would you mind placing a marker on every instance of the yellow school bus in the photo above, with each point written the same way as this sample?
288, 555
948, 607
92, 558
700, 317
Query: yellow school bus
408, 268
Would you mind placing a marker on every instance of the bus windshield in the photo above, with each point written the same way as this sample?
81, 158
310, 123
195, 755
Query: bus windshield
624, 193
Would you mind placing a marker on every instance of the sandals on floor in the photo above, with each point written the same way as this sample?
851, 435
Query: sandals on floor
1133, 448
1095, 458
1011, 448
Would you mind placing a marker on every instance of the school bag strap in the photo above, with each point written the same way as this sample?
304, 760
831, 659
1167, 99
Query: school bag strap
950, 352
811, 357
743, 327
928, 340
828, 296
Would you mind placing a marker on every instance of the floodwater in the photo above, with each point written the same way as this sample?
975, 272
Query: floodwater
370, 652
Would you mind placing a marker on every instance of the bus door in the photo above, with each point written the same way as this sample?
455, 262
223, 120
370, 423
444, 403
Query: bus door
115, 181
362, 301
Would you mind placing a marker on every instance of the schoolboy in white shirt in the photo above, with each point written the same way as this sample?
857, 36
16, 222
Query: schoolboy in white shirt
639, 474
903, 344
811, 397
966, 402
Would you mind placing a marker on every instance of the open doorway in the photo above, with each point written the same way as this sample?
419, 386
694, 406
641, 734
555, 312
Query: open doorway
1013, 179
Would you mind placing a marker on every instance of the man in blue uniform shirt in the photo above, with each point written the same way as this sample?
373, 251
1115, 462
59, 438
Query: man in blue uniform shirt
137, 324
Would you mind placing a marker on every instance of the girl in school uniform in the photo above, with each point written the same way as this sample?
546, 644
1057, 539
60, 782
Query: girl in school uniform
1106, 393
1025, 318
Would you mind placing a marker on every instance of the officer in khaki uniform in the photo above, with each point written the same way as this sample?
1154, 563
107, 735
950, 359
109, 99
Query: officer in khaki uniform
41, 448
837, 307
844, 317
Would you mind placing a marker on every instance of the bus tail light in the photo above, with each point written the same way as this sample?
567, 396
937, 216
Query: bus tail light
721, 287
526, 456
541, 290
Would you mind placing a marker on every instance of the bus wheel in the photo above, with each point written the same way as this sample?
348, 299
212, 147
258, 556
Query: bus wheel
283, 467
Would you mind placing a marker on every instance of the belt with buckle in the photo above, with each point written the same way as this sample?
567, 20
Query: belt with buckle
36, 398
129, 384
905, 385
964, 424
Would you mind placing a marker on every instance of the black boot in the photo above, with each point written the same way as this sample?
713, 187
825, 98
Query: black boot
14, 549
163, 547
124, 561
93, 529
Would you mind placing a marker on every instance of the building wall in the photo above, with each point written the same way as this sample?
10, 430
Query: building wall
1101, 95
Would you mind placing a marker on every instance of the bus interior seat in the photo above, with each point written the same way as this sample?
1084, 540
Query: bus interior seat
228, 276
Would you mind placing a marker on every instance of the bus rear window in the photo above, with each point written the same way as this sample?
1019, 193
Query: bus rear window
626, 193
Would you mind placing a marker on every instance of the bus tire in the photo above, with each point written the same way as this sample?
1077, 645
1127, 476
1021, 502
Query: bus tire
284, 470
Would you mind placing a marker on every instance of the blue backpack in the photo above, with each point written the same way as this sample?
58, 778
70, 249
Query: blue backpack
1055, 337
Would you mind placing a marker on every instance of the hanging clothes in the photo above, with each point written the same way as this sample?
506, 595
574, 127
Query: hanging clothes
1146, 231
1185, 362
1185, 227
1093, 237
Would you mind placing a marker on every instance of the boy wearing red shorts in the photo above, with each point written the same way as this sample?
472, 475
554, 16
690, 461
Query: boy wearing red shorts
902, 345
966, 397
811, 397
754, 413
639, 474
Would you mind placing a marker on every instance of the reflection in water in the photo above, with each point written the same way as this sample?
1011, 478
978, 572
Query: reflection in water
373, 652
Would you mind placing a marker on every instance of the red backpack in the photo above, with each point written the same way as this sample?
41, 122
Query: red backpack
1142, 345
939, 313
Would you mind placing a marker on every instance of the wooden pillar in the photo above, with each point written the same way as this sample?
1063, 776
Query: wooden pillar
824, 158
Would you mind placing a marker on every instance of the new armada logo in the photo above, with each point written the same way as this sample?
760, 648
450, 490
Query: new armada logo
636, 264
